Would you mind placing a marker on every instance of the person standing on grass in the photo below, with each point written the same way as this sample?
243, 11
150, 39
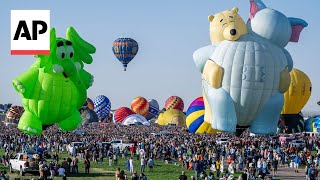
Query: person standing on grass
128, 165
75, 162
131, 165
86, 165
150, 164
110, 158
143, 164
115, 158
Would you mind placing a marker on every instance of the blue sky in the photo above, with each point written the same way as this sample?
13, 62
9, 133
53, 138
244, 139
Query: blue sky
168, 32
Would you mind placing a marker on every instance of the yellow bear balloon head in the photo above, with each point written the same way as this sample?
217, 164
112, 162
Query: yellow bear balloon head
227, 25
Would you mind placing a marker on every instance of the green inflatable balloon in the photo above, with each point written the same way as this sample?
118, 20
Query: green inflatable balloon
55, 87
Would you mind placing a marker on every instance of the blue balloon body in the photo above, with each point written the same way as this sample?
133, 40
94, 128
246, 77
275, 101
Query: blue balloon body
125, 49
102, 106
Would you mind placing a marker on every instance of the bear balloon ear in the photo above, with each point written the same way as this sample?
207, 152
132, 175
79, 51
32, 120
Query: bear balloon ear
210, 18
235, 10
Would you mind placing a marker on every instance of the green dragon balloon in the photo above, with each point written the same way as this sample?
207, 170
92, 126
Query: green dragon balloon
55, 87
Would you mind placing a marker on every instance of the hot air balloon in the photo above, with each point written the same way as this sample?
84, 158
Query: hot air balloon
153, 109
120, 114
125, 49
102, 106
172, 116
140, 106
244, 76
174, 102
195, 118
312, 124
90, 104
14, 113
89, 116
295, 99
135, 119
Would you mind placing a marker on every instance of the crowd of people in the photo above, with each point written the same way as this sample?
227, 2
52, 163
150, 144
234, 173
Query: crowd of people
253, 157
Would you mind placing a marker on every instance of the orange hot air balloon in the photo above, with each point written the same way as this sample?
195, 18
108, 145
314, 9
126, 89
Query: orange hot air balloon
140, 106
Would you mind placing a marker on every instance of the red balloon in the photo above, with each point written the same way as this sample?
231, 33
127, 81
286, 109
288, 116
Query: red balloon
121, 113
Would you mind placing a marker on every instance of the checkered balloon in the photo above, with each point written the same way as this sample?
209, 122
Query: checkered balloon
102, 106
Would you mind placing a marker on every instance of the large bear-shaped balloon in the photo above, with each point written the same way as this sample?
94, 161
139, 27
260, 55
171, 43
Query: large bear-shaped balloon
245, 73
55, 87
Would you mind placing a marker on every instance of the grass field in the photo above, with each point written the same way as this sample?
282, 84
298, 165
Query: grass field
102, 171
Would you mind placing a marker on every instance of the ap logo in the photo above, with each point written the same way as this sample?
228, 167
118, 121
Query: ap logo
30, 32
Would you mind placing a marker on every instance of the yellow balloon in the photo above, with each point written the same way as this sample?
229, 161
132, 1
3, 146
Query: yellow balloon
172, 116
298, 93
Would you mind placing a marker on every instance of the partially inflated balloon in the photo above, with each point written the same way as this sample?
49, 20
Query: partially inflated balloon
312, 124
125, 49
135, 119
153, 109
298, 94
195, 118
172, 116
120, 114
90, 104
14, 113
140, 106
174, 102
102, 106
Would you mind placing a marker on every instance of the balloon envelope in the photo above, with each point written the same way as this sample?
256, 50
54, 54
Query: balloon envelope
174, 102
172, 116
90, 104
298, 93
195, 118
125, 49
120, 114
312, 124
134, 119
153, 109
102, 106
14, 113
140, 106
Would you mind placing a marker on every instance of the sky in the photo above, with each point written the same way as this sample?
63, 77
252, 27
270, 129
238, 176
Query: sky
168, 32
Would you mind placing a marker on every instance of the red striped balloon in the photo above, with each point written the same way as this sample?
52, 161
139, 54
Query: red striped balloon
121, 113
140, 106
174, 102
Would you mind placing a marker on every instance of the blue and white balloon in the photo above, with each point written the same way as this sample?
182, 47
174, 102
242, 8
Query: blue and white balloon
102, 106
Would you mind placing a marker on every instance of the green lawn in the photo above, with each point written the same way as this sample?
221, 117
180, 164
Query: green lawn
102, 171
